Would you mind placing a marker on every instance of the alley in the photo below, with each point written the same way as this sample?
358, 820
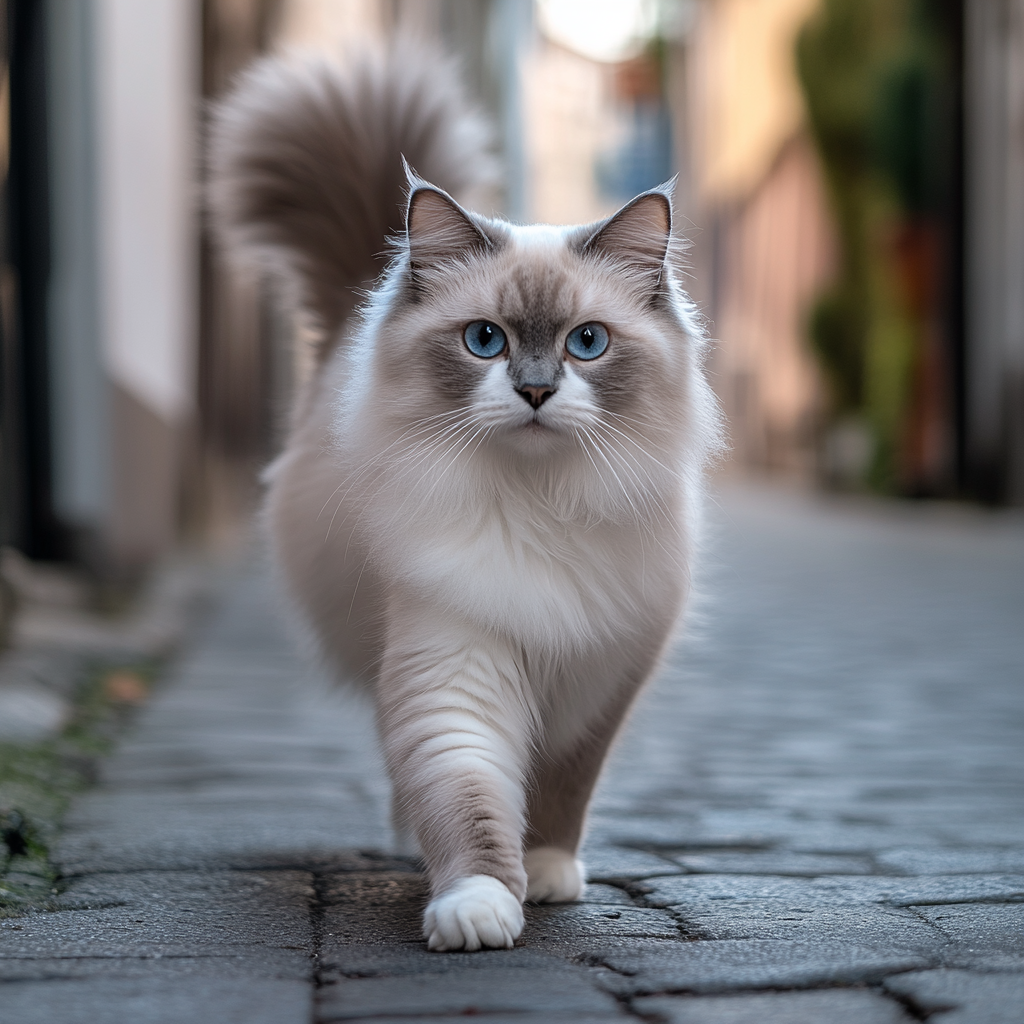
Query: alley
816, 814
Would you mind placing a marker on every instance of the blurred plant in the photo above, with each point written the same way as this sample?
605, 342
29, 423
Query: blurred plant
39, 779
835, 51
876, 80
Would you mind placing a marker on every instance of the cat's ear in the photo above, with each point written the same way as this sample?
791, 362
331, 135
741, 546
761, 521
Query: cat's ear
437, 228
638, 235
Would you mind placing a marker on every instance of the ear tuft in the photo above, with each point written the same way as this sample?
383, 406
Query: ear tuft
638, 235
437, 228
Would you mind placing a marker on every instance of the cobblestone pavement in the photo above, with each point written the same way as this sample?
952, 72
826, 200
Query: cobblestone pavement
815, 816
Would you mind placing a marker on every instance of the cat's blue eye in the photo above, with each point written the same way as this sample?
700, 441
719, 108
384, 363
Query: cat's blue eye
587, 341
485, 339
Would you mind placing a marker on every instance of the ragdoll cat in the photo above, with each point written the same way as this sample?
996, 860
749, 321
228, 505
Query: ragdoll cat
488, 503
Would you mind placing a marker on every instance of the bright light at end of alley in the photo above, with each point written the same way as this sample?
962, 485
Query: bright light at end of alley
605, 30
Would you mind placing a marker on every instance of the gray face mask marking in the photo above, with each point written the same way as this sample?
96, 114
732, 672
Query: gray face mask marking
536, 305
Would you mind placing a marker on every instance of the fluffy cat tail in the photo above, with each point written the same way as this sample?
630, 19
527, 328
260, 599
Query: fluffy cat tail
306, 173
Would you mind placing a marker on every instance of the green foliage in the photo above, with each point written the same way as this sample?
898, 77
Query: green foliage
38, 781
889, 353
912, 113
838, 326
835, 52
877, 89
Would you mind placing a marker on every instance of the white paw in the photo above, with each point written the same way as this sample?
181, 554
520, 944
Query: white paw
476, 911
553, 875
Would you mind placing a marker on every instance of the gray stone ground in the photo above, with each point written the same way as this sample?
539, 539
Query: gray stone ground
815, 816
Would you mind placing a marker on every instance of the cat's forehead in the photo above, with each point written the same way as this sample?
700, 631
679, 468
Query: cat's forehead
536, 282
539, 274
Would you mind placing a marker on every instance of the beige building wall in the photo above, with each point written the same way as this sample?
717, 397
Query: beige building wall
745, 98
329, 25
147, 91
569, 117
777, 253
764, 244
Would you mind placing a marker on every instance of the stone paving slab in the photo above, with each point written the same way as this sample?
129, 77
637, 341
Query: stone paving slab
260, 920
951, 862
178, 970
365, 960
773, 862
828, 1007
563, 1017
959, 997
729, 965
880, 927
836, 890
371, 909
476, 991
609, 863
148, 1000
817, 814
578, 929
983, 936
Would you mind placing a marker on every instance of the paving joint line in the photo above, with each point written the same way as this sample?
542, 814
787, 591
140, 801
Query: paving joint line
317, 926
910, 1006
950, 939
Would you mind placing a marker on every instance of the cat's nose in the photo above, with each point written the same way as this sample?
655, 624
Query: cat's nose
536, 394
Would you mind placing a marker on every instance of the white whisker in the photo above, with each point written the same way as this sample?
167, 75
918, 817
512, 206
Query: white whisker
414, 434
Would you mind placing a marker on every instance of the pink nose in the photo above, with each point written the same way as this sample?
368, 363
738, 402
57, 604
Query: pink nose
536, 394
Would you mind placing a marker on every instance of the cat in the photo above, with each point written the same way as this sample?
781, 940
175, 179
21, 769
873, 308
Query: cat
489, 502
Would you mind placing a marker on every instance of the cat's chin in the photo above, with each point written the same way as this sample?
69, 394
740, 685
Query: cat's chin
537, 438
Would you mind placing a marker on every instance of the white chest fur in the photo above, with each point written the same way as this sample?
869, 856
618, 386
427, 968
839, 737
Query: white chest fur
509, 563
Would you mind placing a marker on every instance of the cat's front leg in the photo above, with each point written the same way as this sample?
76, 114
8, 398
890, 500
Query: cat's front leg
563, 780
456, 724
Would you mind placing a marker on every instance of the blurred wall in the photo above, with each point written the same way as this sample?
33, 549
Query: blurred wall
143, 386
603, 98
243, 352
80, 391
570, 118
994, 259
99, 324
146, 61
763, 242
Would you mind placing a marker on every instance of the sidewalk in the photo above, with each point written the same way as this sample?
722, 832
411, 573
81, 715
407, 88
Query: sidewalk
816, 815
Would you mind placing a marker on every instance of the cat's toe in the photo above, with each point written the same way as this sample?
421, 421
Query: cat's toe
476, 912
553, 875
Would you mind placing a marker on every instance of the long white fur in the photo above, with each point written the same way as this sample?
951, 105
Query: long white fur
502, 579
